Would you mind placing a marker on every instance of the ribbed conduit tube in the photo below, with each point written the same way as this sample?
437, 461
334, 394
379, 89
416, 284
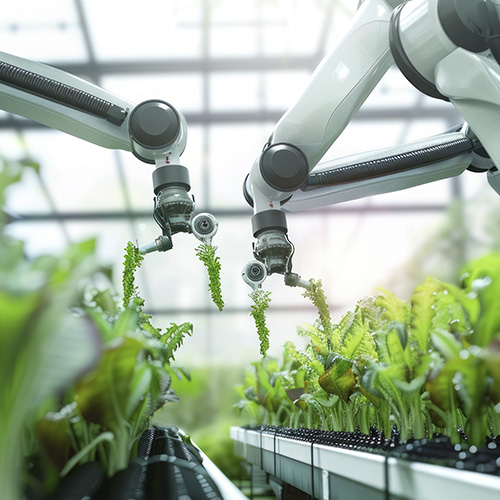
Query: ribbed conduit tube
60, 92
390, 164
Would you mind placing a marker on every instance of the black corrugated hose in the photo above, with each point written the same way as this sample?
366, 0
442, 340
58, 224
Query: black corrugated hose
390, 164
62, 93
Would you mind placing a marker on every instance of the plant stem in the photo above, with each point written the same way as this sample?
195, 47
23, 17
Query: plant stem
418, 417
364, 421
494, 421
105, 436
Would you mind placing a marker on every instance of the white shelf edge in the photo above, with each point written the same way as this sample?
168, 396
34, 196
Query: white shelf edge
421, 481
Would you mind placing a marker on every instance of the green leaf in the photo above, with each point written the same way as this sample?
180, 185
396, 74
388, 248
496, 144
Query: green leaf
306, 361
275, 397
15, 311
263, 380
160, 390
379, 381
447, 344
450, 313
71, 351
470, 382
393, 309
391, 342
492, 359
139, 387
53, 435
316, 336
481, 279
339, 379
371, 313
110, 394
422, 311
410, 388
174, 336
105, 300
125, 323
357, 339
442, 389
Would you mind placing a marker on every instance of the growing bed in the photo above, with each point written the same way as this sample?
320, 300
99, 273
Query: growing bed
338, 465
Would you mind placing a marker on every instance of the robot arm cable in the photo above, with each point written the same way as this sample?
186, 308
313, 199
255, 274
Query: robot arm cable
389, 165
60, 92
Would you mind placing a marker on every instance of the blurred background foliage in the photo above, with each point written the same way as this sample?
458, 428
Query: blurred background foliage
205, 411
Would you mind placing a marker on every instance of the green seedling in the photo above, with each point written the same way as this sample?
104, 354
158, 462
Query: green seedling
131, 262
261, 300
206, 254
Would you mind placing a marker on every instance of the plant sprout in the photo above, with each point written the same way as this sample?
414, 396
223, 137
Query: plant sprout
317, 296
206, 254
261, 300
132, 261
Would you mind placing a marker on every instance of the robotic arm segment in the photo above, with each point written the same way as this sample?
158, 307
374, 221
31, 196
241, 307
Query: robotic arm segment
154, 131
336, 90
350, 186
341, 83
475, 93
434, 44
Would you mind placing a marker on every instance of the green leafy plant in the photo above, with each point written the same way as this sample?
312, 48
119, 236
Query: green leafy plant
206, 254
261, 300
43, 348
113, 404
81, 372
428, 365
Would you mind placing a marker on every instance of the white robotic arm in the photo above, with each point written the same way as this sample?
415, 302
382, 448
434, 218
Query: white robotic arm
154, 131
448, 49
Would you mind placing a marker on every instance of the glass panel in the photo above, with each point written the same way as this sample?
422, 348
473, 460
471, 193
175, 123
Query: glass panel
158, 29
44, 31
41, 238
28, 196
283, 88
47, 45
240, 41
78, 175
354, 254
233, 149
235, 91
183, 91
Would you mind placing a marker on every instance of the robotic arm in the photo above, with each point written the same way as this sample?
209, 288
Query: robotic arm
448, 49
154, 131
